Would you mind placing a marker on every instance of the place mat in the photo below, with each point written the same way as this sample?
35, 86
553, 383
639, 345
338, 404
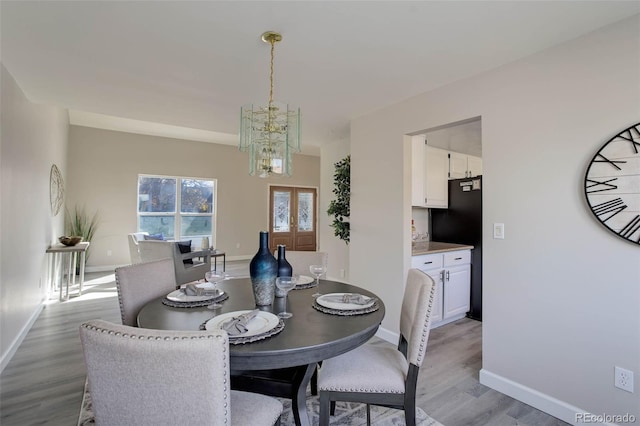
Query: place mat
349, 312
220, 298
240, 340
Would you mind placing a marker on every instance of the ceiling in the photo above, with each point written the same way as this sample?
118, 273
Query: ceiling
168, 67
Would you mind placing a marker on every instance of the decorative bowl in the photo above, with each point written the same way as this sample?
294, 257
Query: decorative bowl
69, 241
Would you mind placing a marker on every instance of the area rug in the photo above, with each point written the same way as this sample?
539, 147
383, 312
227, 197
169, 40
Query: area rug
347, 414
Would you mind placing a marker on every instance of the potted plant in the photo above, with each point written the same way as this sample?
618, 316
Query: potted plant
340, 208
80, 223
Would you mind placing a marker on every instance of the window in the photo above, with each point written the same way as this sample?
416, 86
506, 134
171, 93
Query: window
158, 212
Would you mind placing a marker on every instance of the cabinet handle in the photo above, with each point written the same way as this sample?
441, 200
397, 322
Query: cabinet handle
458, 258
447, 275
442, 276
428, 263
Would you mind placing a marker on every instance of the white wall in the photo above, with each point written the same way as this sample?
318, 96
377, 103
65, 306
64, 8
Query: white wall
34, 137
338, 250
561, 293
103, 176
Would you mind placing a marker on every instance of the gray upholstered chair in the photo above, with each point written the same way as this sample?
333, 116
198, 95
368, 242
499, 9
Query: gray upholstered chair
133, 239
141, 283
193, 270
383, 375
301, 260
143, 377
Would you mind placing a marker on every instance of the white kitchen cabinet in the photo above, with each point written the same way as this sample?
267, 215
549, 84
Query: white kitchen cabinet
451, 272
436, 192
463, 166
429, 175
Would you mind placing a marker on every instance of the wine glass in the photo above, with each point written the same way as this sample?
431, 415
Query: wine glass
285, 284
214, 277
317, 271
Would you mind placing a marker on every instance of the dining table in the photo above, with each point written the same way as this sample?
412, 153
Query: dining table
282, 364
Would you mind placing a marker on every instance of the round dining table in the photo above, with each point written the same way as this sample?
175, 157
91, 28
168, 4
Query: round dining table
281, 365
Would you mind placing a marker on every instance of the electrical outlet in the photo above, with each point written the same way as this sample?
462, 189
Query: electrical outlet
623, 379
498, 231
237, 245
109, 253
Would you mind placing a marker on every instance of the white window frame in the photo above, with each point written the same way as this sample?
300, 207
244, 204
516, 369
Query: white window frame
196, 241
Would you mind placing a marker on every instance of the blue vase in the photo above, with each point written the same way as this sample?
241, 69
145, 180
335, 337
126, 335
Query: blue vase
263, 270
284, 268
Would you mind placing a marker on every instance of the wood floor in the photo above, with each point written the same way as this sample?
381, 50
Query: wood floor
44, 381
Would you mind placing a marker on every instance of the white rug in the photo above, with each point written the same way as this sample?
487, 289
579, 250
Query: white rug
347, 414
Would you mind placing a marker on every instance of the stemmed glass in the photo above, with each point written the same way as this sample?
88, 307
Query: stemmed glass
214, 277
317, 271
285, 284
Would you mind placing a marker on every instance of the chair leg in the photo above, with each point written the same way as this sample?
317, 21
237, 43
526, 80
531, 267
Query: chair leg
410, 413
325, 408
314, 383
368, 415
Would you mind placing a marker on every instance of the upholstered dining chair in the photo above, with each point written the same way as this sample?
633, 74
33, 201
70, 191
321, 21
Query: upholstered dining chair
139, 376
141, 283
383, 375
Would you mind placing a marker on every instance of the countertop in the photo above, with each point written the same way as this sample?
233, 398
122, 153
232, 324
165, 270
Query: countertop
430, 247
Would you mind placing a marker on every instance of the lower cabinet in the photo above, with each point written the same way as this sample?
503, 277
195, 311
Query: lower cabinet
451, 272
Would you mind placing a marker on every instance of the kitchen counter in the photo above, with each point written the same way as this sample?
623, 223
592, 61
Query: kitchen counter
429, 247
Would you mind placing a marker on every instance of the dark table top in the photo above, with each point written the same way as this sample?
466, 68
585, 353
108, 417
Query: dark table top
308, 337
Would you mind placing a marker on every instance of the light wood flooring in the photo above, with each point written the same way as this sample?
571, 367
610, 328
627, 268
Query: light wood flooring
44, 381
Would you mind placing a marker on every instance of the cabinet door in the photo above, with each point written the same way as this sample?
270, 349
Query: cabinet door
436, 168
474, 165
457, 291
457, 165
417, 171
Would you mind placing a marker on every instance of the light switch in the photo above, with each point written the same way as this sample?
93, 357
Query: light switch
498, 231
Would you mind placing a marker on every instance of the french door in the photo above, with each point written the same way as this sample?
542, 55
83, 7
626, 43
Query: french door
292, 217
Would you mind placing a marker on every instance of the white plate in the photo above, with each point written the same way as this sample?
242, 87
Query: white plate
178, 296
324, 301
261, 323
303, 280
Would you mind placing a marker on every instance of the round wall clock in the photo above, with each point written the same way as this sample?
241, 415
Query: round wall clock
612, 184
56, 190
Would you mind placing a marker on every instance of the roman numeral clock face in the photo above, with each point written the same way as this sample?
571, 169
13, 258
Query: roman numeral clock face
612, 184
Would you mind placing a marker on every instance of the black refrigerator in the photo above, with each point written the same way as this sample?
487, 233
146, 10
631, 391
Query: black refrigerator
461, 223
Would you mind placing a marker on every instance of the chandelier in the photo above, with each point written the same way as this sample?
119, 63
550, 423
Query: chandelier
271, 133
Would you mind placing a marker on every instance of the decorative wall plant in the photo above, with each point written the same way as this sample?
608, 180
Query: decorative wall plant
340, 208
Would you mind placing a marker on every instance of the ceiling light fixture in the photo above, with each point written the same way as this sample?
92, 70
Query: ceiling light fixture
271, 134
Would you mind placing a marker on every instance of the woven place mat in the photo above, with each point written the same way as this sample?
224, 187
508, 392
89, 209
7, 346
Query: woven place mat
173, 304
305, 286
348, 312
239, 340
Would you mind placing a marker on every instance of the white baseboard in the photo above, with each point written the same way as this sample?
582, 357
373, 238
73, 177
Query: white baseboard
6, 357
387, 335
534, 398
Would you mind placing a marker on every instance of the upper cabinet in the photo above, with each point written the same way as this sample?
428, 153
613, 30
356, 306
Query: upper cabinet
463, 166
429, 174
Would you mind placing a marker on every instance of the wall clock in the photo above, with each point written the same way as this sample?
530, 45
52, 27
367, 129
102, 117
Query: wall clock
612, 184
56, 190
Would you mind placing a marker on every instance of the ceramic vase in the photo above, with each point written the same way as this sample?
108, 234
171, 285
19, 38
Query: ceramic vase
284, 268
263, 270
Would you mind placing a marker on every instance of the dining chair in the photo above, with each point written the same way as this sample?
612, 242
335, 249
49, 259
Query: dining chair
379, 374
140, 283
158, 377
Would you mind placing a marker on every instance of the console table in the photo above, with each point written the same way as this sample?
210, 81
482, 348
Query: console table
59, 251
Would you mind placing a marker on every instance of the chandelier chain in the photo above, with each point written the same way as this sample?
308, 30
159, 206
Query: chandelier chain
271, 75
